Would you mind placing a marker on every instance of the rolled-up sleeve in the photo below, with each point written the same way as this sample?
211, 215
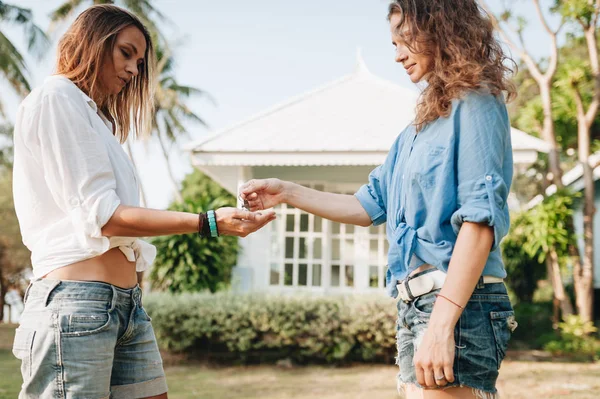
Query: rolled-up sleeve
76, 164
484, 165
371, 196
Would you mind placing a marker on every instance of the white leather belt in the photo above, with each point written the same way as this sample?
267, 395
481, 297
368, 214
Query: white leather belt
413, 287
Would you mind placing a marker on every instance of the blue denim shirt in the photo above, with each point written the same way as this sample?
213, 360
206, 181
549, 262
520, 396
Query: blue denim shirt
457, 169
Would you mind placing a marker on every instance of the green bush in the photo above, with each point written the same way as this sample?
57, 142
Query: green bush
188, 263
576, 340
252, 328
535, 325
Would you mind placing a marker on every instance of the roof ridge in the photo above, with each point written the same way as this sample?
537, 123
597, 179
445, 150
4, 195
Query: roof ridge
356, 74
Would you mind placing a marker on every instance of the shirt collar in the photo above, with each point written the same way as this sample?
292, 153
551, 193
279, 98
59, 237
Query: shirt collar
87, 99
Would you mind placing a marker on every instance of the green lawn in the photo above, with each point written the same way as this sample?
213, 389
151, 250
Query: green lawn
519, 380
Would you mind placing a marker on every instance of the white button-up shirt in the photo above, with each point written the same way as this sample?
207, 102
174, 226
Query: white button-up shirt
70, 174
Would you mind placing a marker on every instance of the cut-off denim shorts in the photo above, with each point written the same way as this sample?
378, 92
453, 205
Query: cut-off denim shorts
481, 337
92, 340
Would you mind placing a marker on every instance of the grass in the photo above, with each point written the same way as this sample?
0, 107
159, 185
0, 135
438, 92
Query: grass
518, 380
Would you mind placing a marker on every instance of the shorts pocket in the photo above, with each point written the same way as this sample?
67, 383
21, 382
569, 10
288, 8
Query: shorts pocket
80, 324
503, 324
23, 347
423, 305
145, 313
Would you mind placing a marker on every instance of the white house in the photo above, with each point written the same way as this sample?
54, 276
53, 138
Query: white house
328, 139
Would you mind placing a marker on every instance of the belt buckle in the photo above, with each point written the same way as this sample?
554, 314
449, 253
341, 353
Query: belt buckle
405, 293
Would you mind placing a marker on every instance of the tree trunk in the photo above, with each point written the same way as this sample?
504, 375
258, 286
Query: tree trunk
143, 202
560, 296
549, 136
178, 196
2, 293
584, 280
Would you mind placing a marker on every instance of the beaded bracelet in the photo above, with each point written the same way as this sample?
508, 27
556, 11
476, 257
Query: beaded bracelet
212, 222
203, 226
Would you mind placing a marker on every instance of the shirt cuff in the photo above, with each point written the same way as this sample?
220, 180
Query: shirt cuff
373, 209
483, 207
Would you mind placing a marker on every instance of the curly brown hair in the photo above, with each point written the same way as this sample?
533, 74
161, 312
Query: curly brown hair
459, 37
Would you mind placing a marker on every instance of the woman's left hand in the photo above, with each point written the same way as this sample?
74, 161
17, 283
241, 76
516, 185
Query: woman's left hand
435, 357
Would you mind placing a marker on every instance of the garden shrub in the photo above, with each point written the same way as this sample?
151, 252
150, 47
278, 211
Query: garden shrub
251, 328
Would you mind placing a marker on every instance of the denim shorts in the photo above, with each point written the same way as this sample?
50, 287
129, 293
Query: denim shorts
90, 340
481, 336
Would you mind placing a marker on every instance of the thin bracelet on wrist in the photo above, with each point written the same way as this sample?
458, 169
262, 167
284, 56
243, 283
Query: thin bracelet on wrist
451, 301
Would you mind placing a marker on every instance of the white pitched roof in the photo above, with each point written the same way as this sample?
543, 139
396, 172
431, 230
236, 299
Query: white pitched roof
351, 121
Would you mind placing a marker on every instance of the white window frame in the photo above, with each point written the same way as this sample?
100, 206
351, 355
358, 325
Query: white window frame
360, 259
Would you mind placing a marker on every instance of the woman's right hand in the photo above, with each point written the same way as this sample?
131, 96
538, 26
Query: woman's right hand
239, 222
263, 193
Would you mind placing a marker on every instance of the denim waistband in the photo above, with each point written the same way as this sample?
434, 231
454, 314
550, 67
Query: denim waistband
90, 290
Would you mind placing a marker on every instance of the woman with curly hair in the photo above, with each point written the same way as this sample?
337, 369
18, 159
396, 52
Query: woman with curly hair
443, 193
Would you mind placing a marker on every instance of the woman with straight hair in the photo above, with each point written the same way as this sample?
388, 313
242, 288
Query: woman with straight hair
84, 332
442, 193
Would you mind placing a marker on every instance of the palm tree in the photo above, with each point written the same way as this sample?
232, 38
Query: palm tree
142, 8
170, 109
12, 63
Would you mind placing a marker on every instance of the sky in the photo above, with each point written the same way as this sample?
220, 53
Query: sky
251, 55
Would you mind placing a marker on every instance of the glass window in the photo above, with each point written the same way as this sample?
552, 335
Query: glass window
274, 275
373, 276
335, 228
317, 248
316, 275
302, 254
289, 223
335, 275
289, 247
289, 273
302, 274
350, 276
335, 249
318, 224
304, 222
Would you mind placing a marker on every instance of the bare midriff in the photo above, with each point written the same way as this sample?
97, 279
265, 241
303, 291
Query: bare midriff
421, 268
111, 267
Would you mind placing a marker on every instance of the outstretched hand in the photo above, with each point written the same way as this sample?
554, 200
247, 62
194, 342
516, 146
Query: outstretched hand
239, 222
262, 193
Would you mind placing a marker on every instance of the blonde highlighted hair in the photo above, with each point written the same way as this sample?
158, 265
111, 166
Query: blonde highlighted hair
81, 53
459, 37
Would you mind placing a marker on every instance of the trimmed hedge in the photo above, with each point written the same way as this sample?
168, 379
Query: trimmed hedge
251, 328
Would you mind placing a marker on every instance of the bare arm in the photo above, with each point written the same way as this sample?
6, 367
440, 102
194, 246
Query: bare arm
129, 221
342, 208
470, 254
435, 356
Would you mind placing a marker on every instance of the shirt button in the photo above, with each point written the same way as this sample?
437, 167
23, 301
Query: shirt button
402, 177
488, 178
74, 202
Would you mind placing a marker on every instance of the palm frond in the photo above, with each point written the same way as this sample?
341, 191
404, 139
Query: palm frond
37, 41
13, 66
65, 10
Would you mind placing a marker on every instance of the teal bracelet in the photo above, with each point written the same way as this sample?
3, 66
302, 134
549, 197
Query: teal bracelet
212, 222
